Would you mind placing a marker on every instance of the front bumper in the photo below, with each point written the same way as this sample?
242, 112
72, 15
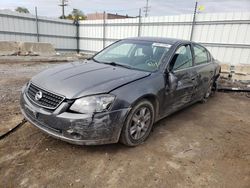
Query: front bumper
81, 129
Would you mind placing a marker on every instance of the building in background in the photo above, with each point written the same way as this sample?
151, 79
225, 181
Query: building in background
99, 16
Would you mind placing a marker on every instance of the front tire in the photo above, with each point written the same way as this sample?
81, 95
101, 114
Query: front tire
138, 124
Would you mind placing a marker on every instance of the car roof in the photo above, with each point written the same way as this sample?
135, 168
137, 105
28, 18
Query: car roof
159, 39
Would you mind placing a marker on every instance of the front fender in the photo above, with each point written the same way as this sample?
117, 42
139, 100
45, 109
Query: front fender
151, 88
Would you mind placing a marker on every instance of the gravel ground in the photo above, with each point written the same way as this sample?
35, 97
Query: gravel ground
12, 77
204, 145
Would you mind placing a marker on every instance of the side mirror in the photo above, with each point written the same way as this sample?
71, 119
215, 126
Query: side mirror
172, 81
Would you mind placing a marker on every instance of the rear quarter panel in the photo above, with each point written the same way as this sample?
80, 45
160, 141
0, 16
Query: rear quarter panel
217, 68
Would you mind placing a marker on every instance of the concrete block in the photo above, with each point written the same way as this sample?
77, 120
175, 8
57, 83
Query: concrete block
242, 69
8, 48
240, 72
225, 68
241, 77
35, 48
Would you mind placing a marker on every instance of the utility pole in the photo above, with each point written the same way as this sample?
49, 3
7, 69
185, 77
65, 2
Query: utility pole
104, 30
139, 24
193, 22
63, 4
146, 9
37, 26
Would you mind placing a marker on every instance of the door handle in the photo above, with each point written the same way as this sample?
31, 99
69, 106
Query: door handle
195, 77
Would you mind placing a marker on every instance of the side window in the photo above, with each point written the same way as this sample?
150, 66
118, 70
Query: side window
182, 58
200, 55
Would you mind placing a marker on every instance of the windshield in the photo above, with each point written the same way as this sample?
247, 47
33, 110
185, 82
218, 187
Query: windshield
141, 55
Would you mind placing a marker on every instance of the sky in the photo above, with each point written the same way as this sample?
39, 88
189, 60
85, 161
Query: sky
50, 8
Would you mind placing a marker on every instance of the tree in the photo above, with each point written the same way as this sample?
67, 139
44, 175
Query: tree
22, 10
76, 14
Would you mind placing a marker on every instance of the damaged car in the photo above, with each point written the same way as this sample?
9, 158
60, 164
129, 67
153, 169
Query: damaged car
119, 93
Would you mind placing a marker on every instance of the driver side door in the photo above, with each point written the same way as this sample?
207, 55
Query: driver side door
181, 67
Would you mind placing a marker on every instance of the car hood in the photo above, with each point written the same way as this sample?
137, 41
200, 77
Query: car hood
74, 80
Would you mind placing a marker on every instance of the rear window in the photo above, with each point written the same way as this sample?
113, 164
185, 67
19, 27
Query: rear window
200, 55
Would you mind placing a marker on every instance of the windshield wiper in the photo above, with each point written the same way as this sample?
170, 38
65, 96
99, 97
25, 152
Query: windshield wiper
117, 64
92, 58
111, 63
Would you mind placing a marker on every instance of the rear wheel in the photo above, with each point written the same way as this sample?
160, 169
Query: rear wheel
210, 92
138, 124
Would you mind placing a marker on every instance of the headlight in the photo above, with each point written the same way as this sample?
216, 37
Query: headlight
91, 104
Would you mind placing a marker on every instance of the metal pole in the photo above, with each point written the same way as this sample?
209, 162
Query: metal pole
146, 9
63, 12
77, 36
63, 5
193, 23
139, 24
37, 26
104, 29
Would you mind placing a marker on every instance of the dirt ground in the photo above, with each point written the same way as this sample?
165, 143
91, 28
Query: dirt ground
204, 145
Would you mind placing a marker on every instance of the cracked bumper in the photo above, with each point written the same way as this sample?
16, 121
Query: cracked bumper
81, 129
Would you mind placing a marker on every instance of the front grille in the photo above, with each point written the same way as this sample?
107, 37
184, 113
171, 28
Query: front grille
49, 100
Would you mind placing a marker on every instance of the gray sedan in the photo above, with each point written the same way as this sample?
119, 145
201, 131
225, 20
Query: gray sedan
119, 93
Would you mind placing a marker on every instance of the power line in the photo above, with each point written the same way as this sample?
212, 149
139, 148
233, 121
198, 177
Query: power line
121, 10
63, 4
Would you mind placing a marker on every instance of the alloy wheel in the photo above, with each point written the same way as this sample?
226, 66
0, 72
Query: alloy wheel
140, 123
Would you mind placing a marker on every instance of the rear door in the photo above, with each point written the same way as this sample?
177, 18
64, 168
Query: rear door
181, 66
204, 68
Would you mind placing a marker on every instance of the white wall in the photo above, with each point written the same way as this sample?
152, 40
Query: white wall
226, 35
22, 27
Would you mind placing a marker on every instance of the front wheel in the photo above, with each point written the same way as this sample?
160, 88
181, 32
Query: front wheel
138, 124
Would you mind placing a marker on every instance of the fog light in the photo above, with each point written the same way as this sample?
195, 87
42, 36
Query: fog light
73, 134
76, 135
70, 131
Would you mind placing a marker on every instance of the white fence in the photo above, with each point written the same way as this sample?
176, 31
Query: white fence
23, 27
226, 35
